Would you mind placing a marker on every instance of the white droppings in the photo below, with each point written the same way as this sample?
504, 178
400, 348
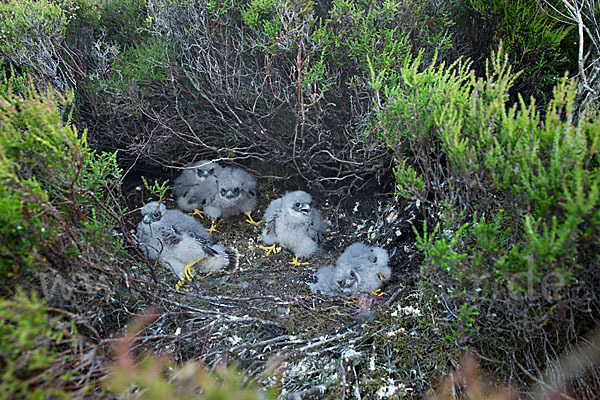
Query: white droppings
351, 354
408, 310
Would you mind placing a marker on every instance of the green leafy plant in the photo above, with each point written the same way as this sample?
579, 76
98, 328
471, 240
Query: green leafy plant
142, 63
157, 189
512, 192
49, 178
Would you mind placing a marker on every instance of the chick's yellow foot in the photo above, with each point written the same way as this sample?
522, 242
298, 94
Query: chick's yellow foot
270, 249
188, 271
179, 286
377, 292
197, 212
296, 263
213, 227
251, 221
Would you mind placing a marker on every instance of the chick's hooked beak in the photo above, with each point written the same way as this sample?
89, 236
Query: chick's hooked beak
230, 193
305, 209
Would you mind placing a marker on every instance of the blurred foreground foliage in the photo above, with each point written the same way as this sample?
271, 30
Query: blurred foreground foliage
28, 347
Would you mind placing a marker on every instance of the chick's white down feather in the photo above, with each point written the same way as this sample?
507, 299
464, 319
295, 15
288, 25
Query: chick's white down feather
234, 193
177, 239
196, 184
294, 223
360, 268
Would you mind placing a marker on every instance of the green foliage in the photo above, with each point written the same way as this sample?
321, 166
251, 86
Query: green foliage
29, 29
368, 34
220, 7
122, 21
49, 179
533, 39
407, 177
157, 189
190, 381
517, 190
28, 341
352, 36
273, 30
522, 25
441, 251
142, 63
259, 14
82, 16
11, 81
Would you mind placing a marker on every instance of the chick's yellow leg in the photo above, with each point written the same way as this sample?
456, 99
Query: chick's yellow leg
251, 221
296, 263
270, 249
188, 273
213, 227
197, 212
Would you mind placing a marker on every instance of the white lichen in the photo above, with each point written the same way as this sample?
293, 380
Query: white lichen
235, 340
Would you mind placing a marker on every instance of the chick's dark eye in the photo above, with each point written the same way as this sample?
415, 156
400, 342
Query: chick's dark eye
297, 204
353, 274
375, 259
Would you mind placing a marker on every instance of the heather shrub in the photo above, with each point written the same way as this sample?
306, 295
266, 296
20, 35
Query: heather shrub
122, 22
50, 180
335, 97
30, 33
510, 200
29, 340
